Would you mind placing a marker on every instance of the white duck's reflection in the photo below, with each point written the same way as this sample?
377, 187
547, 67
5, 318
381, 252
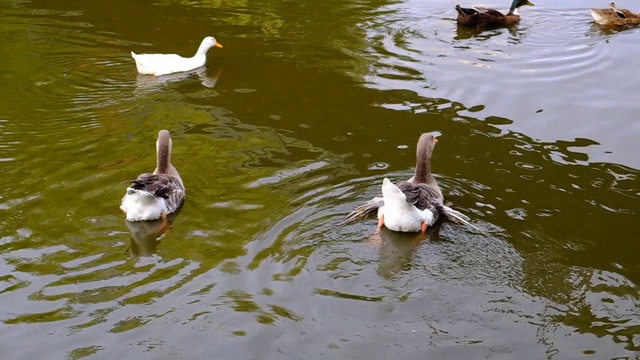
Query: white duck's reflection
397, 249
147, 82
147, 235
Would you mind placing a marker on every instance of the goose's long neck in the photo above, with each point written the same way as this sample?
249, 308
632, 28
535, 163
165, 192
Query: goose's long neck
164, 156
423, 165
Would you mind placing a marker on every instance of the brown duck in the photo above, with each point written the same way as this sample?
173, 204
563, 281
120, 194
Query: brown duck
481, 18
614, 16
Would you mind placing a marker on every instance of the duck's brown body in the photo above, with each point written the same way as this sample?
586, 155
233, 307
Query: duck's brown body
485, 20
481, 18
614, 16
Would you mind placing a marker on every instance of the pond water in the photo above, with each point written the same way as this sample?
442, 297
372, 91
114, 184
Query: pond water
290, 126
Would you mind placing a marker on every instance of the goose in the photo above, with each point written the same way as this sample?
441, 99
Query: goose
402, 212
155, 195
421, 190
162, 64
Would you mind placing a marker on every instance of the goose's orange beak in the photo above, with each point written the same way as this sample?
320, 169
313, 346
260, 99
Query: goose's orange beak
218, 45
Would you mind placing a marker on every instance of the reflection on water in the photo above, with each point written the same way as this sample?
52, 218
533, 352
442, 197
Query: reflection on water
511, 71
145, 236
147, 82
397, 250
319, 102
466, 33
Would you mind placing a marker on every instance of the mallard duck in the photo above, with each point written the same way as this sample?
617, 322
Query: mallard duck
615, 16
155, 195
482, 18
162, 64
406, 209
421, 190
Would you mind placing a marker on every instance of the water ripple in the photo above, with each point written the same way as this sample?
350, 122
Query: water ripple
548, 73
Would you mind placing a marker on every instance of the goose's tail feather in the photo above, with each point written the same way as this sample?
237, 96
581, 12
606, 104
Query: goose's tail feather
363, 210
372, 206
453, 215
458, 217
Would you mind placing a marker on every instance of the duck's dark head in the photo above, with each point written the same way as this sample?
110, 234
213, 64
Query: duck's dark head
518, 3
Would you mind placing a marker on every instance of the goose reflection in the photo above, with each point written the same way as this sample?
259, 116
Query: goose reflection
147, 235
397, 249
145, 82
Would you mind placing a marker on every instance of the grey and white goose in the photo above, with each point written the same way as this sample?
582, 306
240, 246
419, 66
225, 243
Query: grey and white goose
421, 191
155, 195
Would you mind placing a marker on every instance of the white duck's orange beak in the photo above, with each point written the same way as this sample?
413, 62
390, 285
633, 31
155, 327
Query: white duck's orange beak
218, 45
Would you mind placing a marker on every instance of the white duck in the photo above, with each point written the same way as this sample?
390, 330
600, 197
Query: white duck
154, 196
401, 212
162, 64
